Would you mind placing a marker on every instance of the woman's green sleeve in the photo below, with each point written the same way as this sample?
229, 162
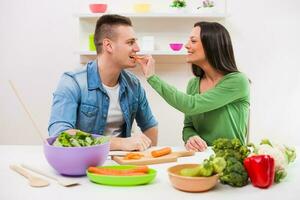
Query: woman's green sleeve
228, 90
188, 129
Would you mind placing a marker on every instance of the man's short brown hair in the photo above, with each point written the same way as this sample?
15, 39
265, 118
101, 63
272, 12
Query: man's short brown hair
105, 28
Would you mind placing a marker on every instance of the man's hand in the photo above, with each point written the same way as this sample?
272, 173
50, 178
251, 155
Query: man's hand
72, 131
195, 143
148, 65
138, 142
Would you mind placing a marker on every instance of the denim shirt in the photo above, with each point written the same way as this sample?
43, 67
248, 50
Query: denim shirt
81, 102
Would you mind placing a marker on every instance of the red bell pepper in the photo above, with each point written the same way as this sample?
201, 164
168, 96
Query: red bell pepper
261, 170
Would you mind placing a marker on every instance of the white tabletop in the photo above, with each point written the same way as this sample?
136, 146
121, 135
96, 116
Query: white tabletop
13, 186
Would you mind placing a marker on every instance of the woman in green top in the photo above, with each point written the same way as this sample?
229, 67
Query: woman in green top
217, 101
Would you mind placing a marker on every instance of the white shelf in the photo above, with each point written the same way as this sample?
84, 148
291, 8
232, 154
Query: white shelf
164, 27
161, 56
155, 53
204, 16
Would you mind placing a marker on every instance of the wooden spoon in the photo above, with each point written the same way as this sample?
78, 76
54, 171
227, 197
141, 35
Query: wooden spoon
63, 182
34, 181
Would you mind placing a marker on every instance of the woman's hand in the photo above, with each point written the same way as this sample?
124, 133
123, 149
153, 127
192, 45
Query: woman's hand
195, 143
147, 64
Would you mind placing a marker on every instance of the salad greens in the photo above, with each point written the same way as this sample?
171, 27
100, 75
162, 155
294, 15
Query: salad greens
80, 139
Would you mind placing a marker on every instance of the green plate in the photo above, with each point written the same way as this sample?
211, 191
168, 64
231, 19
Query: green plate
122, 180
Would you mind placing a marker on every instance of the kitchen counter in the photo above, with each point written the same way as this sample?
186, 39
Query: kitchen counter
14, 186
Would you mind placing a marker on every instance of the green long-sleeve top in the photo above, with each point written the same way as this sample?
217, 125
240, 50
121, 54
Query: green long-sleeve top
219, 112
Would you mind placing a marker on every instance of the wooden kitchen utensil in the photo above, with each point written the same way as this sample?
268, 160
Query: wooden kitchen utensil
149, 160
27, 111
63, 182
34, 181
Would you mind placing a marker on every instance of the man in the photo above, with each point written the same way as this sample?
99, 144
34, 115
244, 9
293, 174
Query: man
103, 98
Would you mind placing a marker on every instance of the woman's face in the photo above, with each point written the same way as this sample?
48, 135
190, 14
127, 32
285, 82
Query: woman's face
194, 47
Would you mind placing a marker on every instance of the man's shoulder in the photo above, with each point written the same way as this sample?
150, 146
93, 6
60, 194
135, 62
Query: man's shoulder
76, 73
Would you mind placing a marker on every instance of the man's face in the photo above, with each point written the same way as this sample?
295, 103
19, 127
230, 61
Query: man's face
124, 46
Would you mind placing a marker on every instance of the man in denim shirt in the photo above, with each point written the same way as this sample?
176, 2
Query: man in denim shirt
103, 98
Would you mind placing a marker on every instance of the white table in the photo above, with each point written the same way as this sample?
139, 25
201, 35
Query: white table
13, 186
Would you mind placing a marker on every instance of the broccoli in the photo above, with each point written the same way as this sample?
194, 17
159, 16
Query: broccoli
230, 148
234, 153
234, 174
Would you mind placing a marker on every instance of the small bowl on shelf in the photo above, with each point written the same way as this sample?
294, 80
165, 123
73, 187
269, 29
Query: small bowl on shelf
141, 7
191, 184
176, 46
98, 7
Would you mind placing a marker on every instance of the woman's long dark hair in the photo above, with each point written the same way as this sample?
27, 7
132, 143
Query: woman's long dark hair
217, 47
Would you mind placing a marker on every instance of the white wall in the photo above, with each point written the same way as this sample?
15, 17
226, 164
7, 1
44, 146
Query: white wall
38, 38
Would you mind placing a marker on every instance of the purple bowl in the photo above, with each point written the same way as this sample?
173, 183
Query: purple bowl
73, 161
176, 46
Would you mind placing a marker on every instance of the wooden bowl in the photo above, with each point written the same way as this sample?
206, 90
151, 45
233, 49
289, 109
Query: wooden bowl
190, 184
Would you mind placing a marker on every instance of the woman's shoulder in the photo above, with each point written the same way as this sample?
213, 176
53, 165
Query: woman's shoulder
193, 80
239, 77
237, 80
192, 84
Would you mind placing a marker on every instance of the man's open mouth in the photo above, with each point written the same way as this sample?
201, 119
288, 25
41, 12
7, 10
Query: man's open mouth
135, 57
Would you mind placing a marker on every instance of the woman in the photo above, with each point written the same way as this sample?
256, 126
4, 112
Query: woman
217, 101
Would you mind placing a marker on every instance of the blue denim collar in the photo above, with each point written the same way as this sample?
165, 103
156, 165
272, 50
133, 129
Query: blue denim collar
94, 80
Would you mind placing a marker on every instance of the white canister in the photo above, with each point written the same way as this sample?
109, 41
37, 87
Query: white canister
147, 43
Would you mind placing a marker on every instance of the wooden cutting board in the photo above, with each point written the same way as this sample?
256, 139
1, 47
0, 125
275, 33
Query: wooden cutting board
149, 160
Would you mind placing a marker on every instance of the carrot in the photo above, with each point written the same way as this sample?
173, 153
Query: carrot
138, 57
140, 170
133, 174
133, 156
161, 152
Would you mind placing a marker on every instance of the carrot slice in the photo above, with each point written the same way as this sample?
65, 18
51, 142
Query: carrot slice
133, 156
161, 152
138, 57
